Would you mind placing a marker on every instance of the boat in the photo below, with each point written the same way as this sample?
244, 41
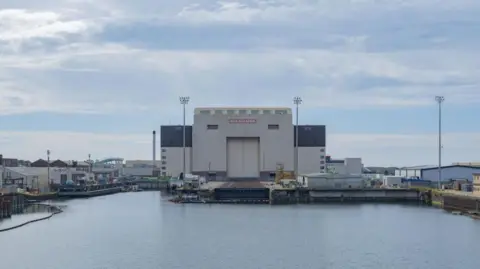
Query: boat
85, 191
37, 197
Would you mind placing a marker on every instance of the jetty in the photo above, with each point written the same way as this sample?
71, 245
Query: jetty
253, 192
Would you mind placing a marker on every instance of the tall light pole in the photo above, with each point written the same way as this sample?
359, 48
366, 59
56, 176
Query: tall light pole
184, 101
89, 164
297, 100
439, 100
48, 166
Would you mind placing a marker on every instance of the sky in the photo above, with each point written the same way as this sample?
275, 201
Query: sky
96, 77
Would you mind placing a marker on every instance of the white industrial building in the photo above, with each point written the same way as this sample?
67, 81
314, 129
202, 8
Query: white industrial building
141, 168
430, 172
37, 177
352, 166
392, 181
242, 143
332, 181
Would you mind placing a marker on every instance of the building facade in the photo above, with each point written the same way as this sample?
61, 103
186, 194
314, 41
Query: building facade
476, 183
241, 143
345, 166
449, 173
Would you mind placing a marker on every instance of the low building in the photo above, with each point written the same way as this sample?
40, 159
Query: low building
60, 175
412, 171
138, 171
331, 181
450, 173
38, 177
142, 163
476, 183
430, 172
352, 166
31, 177
392, 181
416, 182
142, 168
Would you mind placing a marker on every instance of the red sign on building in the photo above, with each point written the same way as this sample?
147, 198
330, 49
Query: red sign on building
242, 121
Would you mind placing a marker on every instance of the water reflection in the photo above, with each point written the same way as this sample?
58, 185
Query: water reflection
30, 212
142, 230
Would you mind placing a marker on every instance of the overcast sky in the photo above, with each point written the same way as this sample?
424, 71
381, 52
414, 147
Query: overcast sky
80, 77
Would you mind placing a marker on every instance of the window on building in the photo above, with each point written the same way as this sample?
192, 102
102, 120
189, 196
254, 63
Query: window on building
267, 112
322, 157
273, 127
164, 168
164, 162
205, 112
164, 157
164, 150
322, 167
212, 127
322, 162
63, 179
230, 112
219, 112
242, 111
280, 112
254, 112
322, 150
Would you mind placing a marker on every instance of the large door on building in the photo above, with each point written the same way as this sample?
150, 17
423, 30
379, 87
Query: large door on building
251, 158
243, 158
234, 157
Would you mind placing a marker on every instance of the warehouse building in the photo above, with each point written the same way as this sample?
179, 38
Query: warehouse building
430, 172
242, 143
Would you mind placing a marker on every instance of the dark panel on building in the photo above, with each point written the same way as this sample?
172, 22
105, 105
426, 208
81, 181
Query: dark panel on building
40, 163
171, 136
58, 163
310, 136
9, 162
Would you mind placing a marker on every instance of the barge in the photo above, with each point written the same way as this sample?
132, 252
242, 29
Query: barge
79, 191
256, 192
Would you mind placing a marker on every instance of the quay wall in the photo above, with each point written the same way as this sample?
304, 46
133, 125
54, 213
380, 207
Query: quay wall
11, 203
309, 196
463, 203
346, 195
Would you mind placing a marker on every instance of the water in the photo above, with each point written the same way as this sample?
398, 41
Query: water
31, 213
142, 230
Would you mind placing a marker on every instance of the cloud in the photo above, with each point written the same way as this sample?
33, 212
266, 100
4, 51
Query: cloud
22, 25
119, 57
373, 148
336, 53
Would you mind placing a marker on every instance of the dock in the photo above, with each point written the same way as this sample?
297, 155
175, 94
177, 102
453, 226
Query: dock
249, 192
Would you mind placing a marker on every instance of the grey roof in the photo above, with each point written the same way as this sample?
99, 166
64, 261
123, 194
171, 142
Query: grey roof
29, 171
418, 167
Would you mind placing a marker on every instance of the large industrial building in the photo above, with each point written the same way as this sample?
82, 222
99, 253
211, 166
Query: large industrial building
242, 143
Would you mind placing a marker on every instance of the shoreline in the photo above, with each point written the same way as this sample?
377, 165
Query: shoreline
56, 209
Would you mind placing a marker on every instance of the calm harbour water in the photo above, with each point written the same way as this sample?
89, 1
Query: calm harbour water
143, 230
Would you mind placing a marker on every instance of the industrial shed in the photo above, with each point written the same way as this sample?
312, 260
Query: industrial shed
413, 171
450, 172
